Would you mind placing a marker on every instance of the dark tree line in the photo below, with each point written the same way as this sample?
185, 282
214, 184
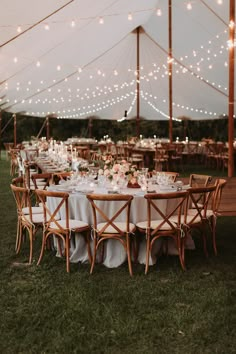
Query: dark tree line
61, 129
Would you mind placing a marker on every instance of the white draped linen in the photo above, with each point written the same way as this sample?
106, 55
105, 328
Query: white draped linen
114, 254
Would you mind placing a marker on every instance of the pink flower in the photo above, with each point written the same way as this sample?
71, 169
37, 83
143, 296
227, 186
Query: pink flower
116, 168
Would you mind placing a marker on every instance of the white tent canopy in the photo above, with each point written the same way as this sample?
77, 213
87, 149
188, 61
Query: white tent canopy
57, 57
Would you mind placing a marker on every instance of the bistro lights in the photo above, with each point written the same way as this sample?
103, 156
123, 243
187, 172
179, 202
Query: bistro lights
191, 64
72, 22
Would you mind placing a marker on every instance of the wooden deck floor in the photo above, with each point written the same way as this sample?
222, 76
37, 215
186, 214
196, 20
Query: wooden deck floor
228, 200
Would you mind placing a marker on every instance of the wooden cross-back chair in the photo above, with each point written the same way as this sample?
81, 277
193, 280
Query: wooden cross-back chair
164, 223
213, 212
29, 218
198, 180
60, 176
115, 224
40, 181
196, 213
57, 222
161, 159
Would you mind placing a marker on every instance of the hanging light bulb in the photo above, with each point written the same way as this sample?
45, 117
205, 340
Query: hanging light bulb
231, 24
159, 12
19, 29
46, 27
101, 20
130, 17
189, 6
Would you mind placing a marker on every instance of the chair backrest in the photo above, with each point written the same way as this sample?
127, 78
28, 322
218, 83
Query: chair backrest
22, 198
61, 210
155, 209
18, 181
198, 180
171, 175
46, 177
198, 201
120, 211
61, 176
220, 184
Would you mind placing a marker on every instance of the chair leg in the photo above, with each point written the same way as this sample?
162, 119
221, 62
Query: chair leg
180, 247
87, 238
67, 253
44, 242
213, 233
31, 235
19, 237
94, 252
129, 255
135, 248
147, 253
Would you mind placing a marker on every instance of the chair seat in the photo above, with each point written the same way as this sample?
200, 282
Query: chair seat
154, 225
189, 218
35, 210
36, 218
110, 229
210, 213
73, 224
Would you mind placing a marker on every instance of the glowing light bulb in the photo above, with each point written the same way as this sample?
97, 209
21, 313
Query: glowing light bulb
130, 17
189, 6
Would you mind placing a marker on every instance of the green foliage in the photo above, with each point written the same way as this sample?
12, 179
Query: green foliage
61, 129
45, 310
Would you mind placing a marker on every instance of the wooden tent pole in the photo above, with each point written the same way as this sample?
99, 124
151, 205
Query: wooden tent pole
170, 72
14, 116
231, 90
41, 129
47, 128
138, 86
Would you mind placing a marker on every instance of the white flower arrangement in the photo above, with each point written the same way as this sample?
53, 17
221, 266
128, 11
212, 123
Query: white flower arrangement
117, 171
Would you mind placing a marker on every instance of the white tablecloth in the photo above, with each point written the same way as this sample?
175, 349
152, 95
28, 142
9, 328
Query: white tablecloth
114, 253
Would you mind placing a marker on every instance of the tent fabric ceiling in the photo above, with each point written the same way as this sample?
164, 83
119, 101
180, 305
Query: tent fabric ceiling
79, 67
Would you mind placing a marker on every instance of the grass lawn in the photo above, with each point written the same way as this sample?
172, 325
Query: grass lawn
45, 310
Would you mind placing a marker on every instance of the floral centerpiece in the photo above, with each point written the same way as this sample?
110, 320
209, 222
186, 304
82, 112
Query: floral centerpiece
83, 169
120, 171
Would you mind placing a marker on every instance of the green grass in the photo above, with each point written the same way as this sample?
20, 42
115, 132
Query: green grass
45, 310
